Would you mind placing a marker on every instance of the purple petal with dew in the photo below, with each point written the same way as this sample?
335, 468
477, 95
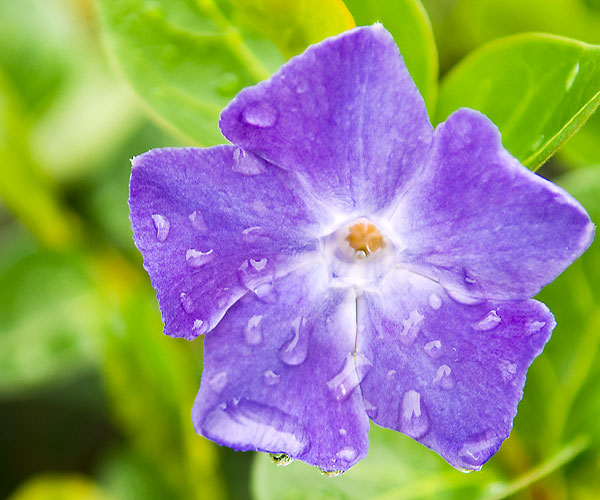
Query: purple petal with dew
210, 233
482, 224
447, 374
281, 377
345, 114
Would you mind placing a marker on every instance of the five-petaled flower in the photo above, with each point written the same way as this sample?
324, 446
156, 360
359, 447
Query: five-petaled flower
347, 262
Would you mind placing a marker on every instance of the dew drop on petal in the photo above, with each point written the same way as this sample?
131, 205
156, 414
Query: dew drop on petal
410, 327
253, 330
347, 453
294, 351
186, 302
478, 449
435, 301
331, 473
162, 226
391, 373
259, 264
197, 221
249, 423
343, 432
247, 163
196, 258
271, 378
260, 114
370, 408
433, 349
254, 275
253, 234
218, 382
535, 327
353, 372
281, 459
443, 377
414, 421
200, 327
490, 321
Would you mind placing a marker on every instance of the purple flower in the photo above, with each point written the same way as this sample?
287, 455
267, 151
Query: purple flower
347, 262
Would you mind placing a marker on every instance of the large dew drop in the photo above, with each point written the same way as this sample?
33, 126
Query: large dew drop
247, 163
253, 330
410, 327
294, 351
347, 453
260, 114
414, 421
490, 321
443, 378
352, 374
479, 449
252, 425
196, 258
162, 226
197, 221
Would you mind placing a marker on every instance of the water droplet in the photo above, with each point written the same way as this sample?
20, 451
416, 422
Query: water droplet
281, 459
331, 473
253, 330
347, 453
260, 114
253, 234
479, 449
535, 327
196, 258
186, 302
200, 327
433, 349
435, 301
508, 369
410, 328
414, 421
162, 226
271, 378
254, 275
247, 163
370, 408
255, 425
469, 280
444, 378
343, 432
491, 320
197, 221
353, 372
391, 373
294, 351
218, 382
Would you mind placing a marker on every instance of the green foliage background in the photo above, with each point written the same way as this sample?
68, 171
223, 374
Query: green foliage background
94, 400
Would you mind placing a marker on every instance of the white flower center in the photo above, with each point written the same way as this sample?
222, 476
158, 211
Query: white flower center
357, 254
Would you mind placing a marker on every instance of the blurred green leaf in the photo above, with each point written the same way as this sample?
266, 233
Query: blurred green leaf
410, 26
59, 487
187, 59
50, 326
397, 468
538, 90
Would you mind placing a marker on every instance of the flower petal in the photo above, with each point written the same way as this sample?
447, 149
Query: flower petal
345, 114
281, 377
483, 225
210, 233
447, 374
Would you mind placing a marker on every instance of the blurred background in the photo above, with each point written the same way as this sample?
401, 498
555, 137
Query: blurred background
95, 402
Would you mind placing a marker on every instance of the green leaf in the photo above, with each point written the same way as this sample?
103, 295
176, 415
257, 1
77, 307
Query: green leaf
538, 89
49, 329
410, 26
59, 487
397, 468
188, 59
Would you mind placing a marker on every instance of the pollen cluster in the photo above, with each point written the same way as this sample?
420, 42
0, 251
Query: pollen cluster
365, 238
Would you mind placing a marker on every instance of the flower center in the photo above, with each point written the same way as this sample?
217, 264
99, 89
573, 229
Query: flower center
357, 254
365, 238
